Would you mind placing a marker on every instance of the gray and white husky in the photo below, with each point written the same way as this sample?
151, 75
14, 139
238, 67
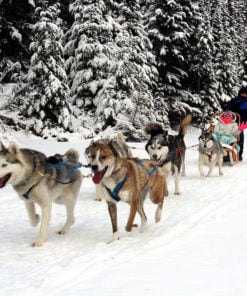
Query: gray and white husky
40, 180
210, 153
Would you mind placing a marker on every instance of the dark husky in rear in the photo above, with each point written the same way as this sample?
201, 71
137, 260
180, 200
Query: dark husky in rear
168, 150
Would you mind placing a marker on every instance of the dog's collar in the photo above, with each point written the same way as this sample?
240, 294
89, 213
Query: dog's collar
209, 156
114, 193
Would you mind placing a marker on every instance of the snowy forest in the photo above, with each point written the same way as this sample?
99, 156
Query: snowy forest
94, 66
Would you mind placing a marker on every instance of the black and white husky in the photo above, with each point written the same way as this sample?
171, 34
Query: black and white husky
168, 150
210, 153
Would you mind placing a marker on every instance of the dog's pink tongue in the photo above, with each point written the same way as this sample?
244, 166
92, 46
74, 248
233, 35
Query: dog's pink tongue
97, 177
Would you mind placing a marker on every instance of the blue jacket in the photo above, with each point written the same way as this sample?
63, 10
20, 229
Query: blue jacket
239, 105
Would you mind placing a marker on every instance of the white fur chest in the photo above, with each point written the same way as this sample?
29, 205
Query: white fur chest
124, 195
167, 168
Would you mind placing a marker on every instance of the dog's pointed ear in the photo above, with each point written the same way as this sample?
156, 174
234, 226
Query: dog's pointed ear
13, 148
113, 147
2, 147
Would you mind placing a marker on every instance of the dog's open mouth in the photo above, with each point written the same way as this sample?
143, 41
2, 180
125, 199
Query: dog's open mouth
157, 160
98, 176
4, 180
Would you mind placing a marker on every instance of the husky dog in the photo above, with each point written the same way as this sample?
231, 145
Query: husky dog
168, 150
126, 180
210, 152
120, 146
37, 179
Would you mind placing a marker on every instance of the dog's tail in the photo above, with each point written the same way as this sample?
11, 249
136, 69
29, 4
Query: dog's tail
153, 129
184, 124
120, 137
72, 156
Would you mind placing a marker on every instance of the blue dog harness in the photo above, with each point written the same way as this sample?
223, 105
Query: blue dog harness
153, 170
57, 166
61, 164
114, 193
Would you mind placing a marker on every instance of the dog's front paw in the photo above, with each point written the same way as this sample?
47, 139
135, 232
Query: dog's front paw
115, 237
61, 232
38, 243
128, 228
177, 193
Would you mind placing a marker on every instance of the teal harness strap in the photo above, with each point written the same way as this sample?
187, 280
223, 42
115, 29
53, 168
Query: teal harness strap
74, 168
153, 170
114, 193
61, 164
26, 194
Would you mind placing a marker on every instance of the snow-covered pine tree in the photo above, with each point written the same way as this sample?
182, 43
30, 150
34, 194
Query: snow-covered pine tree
170, 27
238, 24
15, 17
90, 56
126, 99
45, 96
244, 72
225, 62
202, 63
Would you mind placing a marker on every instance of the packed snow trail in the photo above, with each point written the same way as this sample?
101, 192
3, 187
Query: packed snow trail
198, 248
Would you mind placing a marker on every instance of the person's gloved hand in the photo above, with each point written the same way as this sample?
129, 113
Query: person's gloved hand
242, 126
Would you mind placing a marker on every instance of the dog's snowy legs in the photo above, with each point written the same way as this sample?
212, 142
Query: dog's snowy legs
211, 165
70, 217
112, 208
34, 218
140, 209
133, 210
98, 188
183, 167
201, 163
220, 162
45, 220
176, 175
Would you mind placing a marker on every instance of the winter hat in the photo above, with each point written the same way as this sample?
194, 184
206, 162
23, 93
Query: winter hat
243, 90
228, 114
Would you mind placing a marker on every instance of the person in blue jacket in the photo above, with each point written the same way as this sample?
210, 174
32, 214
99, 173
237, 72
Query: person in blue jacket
239, 105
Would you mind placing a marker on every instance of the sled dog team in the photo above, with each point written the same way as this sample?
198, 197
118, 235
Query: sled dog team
118, 176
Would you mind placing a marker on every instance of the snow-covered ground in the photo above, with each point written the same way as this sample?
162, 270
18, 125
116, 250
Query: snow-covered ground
198, 249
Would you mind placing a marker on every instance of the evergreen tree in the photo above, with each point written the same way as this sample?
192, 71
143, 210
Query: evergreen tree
89, 53
202, 63
170, 26
45, 96
126, 100
224, 60
244, 72
15, 17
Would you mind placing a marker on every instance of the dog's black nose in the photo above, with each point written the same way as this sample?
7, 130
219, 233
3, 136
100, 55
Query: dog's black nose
94, 167
155, 156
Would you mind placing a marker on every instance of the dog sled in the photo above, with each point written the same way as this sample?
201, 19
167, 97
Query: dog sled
228, 140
